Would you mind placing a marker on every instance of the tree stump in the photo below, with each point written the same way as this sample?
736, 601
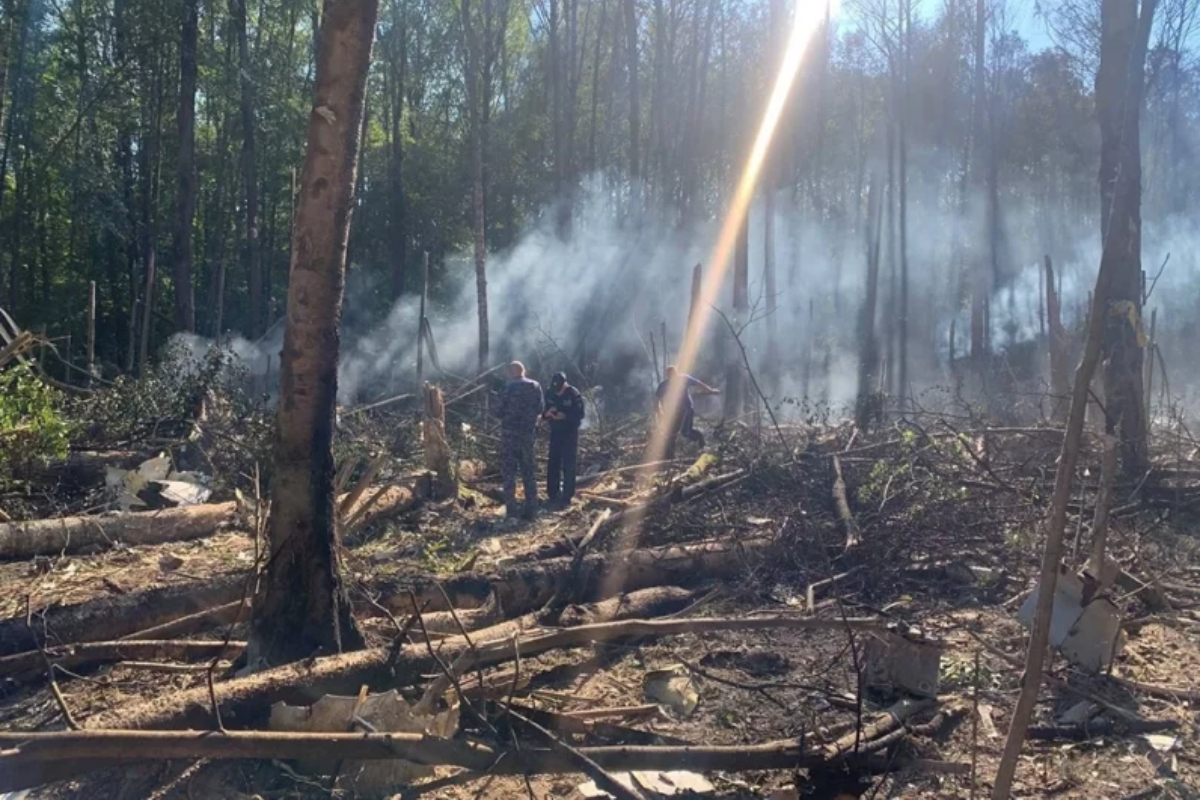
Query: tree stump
438, 458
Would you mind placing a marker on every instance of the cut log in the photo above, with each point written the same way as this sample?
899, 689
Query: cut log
245, 702
115, 616
31, 759
20, 540
75, 655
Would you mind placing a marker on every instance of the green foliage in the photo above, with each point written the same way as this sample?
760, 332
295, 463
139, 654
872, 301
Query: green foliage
31, 425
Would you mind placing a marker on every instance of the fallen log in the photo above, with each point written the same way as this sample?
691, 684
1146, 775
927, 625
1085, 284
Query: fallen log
518, 590
114, 616
75, 655
527, 587
244, 702
20, 540
31, 759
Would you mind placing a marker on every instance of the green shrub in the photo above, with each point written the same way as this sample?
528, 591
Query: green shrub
31, 427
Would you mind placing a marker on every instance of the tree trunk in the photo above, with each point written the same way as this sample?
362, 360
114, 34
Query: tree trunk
301, 605
867, 406
250, 254
980, 285
185, 309
1120, 84
475, 114
635, 101
396, 163
1057, 345
735, 395
902, 123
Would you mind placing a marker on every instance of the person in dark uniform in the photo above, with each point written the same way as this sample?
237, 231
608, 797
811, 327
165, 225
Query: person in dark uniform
521, 404
681, 419
564, 413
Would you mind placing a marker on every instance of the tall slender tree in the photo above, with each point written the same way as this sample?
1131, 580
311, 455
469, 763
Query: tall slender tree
185, 309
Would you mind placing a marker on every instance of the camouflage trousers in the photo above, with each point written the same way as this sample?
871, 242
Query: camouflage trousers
516, 456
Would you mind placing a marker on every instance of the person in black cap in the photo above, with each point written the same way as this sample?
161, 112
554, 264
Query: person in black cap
564, 413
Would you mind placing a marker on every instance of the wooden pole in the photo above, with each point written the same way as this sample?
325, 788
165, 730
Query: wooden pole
91, 331
421, 322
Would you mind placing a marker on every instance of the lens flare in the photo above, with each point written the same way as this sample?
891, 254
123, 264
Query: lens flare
808, 18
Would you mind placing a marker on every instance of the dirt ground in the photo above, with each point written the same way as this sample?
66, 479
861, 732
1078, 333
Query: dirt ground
951, 543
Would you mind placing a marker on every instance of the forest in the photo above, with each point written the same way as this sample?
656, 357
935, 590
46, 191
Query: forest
292, 294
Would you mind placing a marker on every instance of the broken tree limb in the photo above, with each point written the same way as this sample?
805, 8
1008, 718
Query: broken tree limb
849, 527
1097, 566
890, 720
76, 655
31, 759
21, 540
585, 764
245, 701
673, 495
377, 404
347, 504
192, 623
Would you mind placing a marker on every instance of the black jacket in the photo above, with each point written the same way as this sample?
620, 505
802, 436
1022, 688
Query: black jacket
570, 402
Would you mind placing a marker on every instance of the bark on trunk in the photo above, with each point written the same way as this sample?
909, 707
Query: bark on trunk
1120, 84
20, 540
475, 117
301, 605
185, 309
250, 254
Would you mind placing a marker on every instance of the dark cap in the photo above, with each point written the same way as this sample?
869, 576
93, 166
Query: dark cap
559, 379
